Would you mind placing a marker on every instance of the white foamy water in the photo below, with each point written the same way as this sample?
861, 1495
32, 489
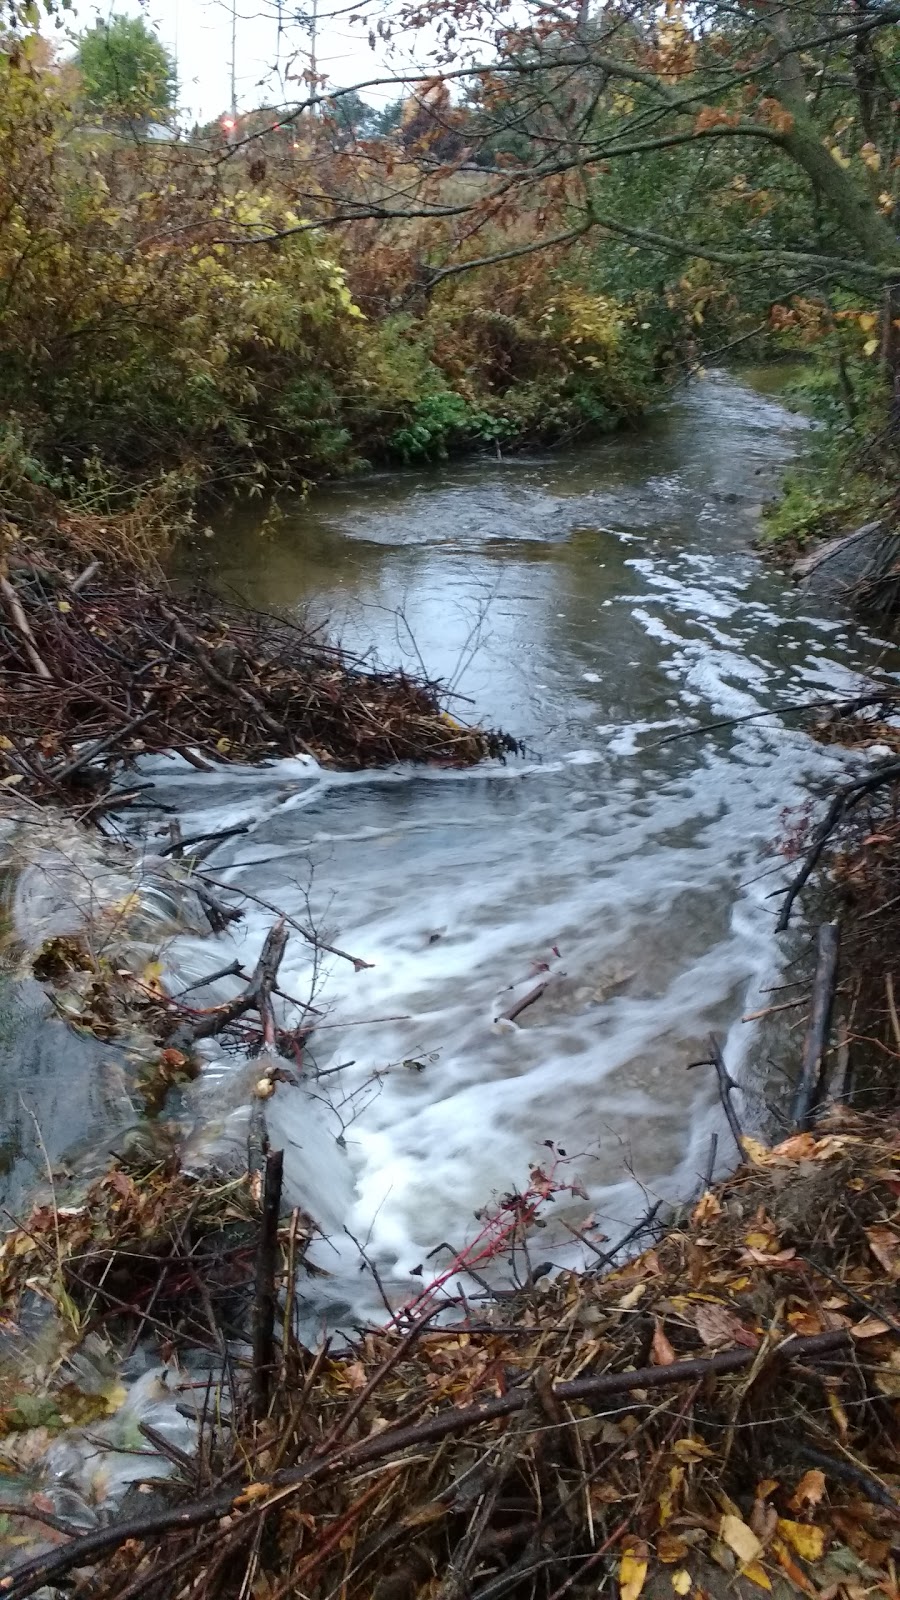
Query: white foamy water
594, 605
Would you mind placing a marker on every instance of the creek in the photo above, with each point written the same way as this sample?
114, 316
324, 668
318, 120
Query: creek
595, 603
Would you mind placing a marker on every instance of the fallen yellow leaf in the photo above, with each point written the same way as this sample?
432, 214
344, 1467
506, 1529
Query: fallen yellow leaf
756, 1152
669, 1495
757, 1574
253, 1491
632, 1570
681, 1581
839, 1415
797, 1148
758, 1241
706, 1209
691, 1450
629, 1300
804, 1537
114, 1397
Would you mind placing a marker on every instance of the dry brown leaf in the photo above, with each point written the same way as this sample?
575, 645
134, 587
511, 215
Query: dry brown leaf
716, 1325
809, 1490
874, 1552
763, 1520
661, 1352
885, 1247
669, 1548
805, 1322
354, 1375
740, 1538
869, 1328
788, 1564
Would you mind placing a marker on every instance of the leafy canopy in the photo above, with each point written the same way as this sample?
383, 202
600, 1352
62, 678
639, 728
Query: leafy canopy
126, 73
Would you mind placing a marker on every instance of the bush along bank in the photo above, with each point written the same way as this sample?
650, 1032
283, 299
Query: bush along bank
837, 520
169, 325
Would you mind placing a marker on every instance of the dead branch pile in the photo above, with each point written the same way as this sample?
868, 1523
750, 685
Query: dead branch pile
94, 674
147, 1250
721, 1410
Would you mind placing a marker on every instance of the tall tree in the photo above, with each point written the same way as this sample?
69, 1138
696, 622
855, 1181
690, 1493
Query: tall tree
126, 72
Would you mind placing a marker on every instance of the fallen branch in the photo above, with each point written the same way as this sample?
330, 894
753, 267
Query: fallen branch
305, 933
842, 802
809, 1089
264, 1301
20, 623
178, 846
726, 1085
256, 997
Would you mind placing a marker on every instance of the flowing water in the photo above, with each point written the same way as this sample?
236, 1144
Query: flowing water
593, 603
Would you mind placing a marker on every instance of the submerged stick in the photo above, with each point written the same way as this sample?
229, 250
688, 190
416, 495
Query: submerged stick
810, 1086
522, 1004
51, 1565
264, 1302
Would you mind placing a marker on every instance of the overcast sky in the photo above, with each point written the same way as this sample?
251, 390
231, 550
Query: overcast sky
198, 33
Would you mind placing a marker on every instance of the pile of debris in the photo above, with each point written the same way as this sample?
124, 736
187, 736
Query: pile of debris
94, 674
721, 1411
